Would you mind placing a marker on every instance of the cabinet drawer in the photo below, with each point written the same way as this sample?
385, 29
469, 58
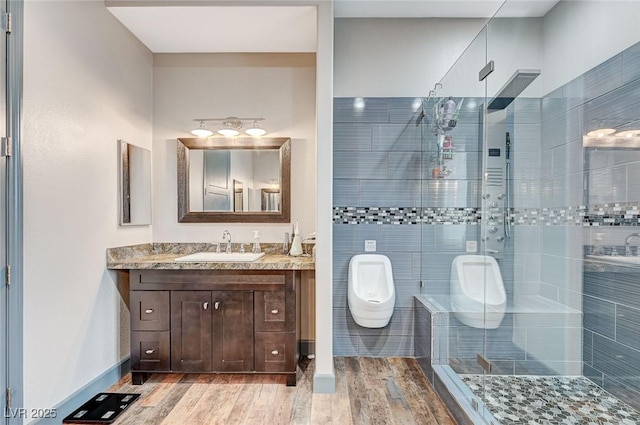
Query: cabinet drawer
150, 310
150, 351
275, 352
275, 311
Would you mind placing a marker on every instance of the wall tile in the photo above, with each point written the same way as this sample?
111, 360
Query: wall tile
626, 389
343, 237
633, 182
396, 138
359, 165
351, 137
526, 193
376, 110
463, 166
627, 329
560, 129
400, 238
607, 185
526, 137
453, 238
599, 80
552, 105
614, 108
526, 165
587, 347
594, 375
404, 165
527, 110
452, 193
466, 137
346, 192
631, 64
627, 360
599, 316
620, 288
390, 192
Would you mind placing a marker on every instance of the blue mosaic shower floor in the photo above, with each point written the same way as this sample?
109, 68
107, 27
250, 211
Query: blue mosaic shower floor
550, 400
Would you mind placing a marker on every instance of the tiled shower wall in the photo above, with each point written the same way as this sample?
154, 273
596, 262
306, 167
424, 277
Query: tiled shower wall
383, 190
611, 298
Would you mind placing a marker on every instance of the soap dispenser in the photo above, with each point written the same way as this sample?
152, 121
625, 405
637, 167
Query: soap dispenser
296, 244
256, 242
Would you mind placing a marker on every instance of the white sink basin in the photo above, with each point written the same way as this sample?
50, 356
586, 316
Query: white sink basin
221, 257
616, 259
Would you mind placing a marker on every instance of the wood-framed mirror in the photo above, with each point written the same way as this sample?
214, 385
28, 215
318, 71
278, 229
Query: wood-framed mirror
134, 185
224, 180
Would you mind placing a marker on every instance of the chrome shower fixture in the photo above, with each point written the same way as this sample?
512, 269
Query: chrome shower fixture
519, 81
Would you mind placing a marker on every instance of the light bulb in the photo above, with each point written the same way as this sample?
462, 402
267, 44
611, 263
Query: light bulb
255, 130
202, 131
601, 132
228, 132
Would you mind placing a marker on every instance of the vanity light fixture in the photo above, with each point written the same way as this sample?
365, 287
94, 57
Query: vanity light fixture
201, 131
601, 132
628, 134
255, 130
230, 127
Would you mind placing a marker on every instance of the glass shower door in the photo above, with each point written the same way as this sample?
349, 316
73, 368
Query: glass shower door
453, 234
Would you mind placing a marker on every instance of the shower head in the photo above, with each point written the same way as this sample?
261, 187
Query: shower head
519, 81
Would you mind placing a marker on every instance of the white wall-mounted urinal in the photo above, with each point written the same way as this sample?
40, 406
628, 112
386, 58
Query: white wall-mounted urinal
478, 298
371, 291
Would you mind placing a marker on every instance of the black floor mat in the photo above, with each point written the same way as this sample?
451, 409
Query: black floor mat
103, 408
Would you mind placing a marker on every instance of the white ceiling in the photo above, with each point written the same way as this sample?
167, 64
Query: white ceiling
215, 28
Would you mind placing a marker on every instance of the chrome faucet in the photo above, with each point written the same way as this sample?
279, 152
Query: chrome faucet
226, 236
627, 247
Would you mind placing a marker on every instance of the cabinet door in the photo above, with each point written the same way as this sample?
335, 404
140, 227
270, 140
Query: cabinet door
149, 351
191, 326
275, 311
149, 310
232, 331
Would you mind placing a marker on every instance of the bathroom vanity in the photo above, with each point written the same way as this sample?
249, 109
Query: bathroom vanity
213, 317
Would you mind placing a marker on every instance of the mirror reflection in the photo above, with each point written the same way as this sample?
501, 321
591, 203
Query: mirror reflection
234, 180
135, 184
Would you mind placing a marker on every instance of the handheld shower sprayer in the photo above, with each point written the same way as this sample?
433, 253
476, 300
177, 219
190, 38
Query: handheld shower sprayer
507, 201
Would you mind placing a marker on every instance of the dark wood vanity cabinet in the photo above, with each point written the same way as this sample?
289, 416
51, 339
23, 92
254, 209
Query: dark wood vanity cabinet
214, 321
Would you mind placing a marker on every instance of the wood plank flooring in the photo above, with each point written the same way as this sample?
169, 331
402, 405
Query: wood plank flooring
369, 391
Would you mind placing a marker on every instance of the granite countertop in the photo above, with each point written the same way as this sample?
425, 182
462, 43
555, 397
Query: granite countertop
161, 256
611, 264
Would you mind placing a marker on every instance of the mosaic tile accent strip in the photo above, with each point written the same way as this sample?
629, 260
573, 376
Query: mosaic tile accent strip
550, 400
405, 215
622, 214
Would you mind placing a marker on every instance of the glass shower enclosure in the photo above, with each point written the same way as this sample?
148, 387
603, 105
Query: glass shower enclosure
531, 157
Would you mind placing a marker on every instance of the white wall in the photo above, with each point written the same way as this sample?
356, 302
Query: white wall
579, 35
397, 57
87, 83
278, 87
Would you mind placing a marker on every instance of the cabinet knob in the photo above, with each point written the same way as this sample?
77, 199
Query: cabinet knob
151, 351
205, 305
275, 311
216, 305
274, 352
149, 311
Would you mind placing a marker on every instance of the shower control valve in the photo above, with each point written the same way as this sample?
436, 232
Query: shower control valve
493, 229
486, 196
501, 196
486, 239
494, 204
500, 239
